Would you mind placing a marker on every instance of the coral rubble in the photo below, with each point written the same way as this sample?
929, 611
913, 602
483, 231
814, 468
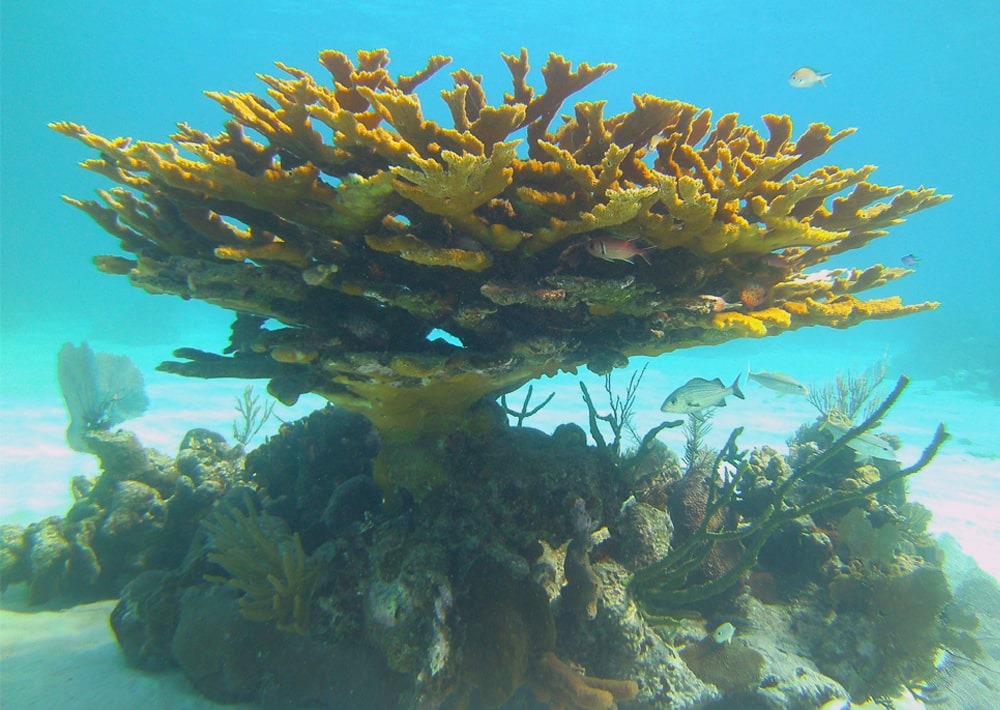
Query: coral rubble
338, 210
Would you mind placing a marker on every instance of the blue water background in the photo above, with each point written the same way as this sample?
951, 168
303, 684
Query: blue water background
918, 80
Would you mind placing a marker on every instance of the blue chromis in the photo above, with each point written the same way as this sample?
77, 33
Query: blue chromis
804, 77
698, 394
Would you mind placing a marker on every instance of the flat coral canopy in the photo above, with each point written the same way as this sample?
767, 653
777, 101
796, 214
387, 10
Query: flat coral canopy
332, 207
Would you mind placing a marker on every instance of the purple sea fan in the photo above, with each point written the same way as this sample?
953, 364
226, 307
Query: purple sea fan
100, 391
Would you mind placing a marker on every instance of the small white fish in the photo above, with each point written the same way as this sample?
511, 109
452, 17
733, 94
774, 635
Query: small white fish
778, 382
865, 446
804, 77
724, 633
698, 393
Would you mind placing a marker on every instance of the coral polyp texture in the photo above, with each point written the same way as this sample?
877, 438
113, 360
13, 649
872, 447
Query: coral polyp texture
337, 210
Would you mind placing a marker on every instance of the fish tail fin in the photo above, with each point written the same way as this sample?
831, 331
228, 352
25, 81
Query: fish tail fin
735, 387
823, 78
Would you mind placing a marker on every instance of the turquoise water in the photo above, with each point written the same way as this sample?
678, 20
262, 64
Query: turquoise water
914, 79
918, 80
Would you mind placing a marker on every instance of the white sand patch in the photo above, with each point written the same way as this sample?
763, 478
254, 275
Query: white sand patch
70, 659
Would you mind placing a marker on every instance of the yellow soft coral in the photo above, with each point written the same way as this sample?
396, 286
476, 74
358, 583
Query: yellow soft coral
744, 323
417, 251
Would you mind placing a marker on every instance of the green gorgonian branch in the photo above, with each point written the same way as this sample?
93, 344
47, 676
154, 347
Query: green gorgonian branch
524, 413
662, 588
253, 415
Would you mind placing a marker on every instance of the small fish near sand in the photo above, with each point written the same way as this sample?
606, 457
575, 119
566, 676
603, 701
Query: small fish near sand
615, 249
699, 393
866, 446
804, 77
777, 381
910, 261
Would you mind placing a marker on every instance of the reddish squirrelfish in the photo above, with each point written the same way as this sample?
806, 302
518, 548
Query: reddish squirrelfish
614, 249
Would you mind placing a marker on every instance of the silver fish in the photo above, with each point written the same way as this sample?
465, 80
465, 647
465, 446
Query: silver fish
698, 394
804, 77
866, 446
778, 382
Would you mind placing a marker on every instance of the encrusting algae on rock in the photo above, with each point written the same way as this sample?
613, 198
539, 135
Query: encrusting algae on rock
335, 208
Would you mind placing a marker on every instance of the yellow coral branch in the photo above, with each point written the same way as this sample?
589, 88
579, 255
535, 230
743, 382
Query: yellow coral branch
459, 185
412, 249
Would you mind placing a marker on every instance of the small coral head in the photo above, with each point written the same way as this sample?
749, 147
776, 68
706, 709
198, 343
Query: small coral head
753, 294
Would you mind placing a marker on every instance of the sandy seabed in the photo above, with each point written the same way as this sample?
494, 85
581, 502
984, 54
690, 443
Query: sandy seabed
70, 659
